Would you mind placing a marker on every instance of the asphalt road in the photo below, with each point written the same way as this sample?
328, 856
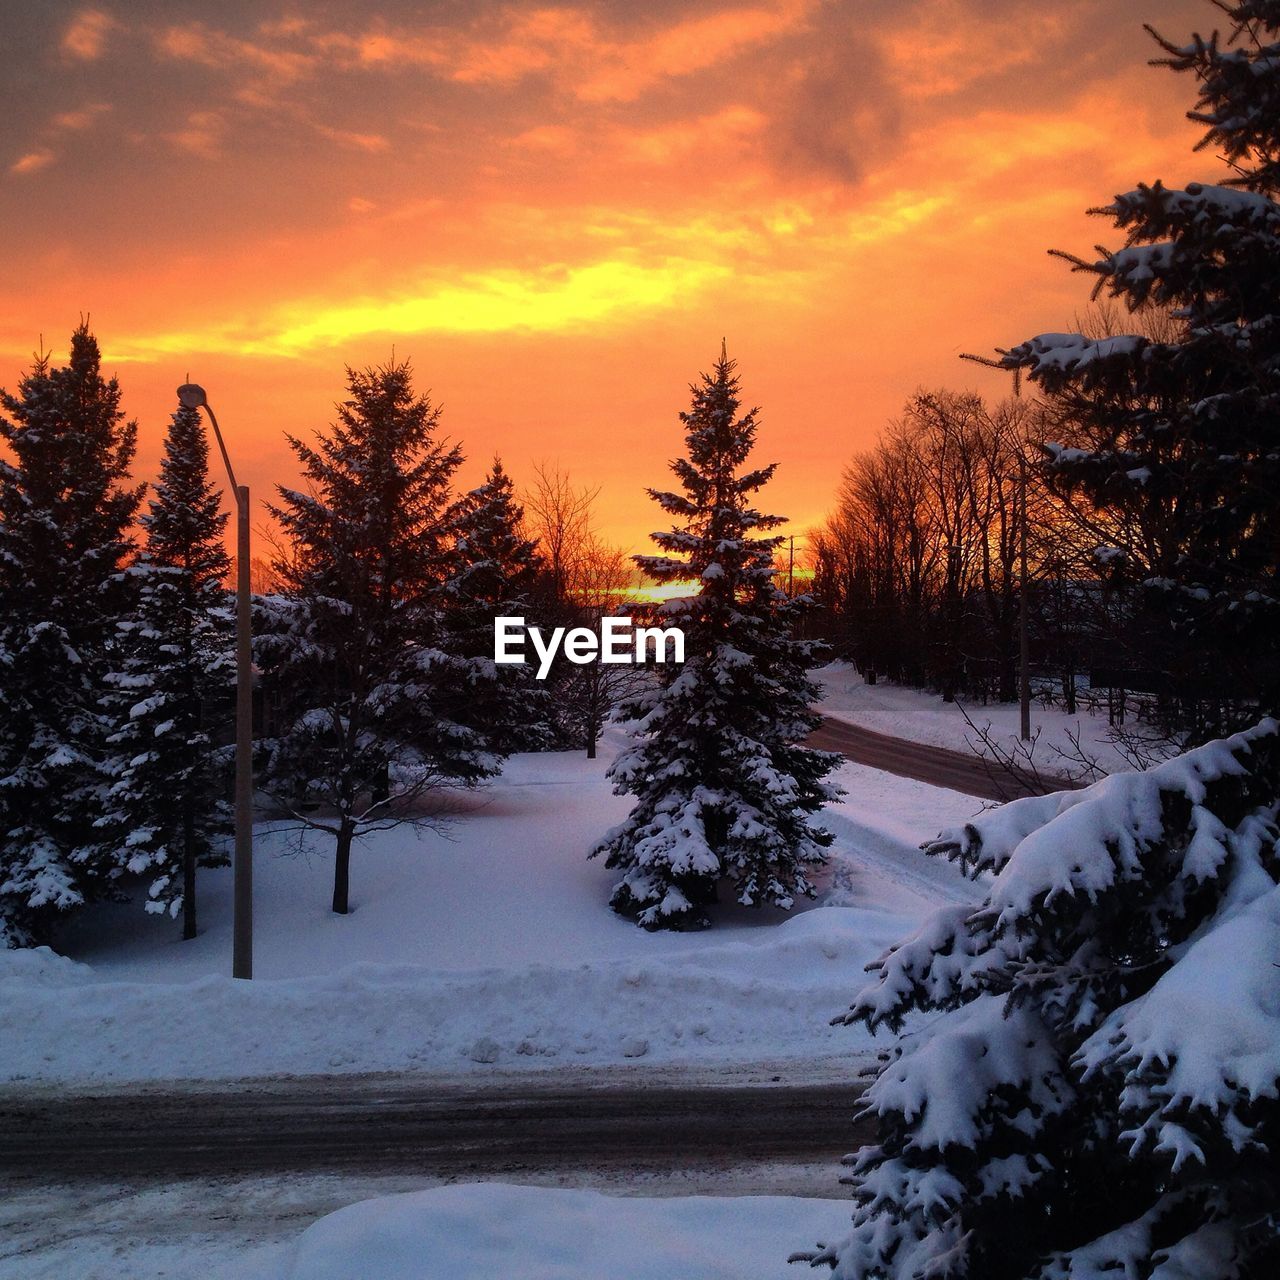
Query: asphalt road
401, 1125
955, 770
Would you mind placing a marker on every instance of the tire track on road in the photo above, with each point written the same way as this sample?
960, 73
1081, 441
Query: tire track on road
329, 1125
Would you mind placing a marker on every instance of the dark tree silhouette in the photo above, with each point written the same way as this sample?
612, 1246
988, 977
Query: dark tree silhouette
65, 511
166, 805
495, 571
1181, 437
352, 647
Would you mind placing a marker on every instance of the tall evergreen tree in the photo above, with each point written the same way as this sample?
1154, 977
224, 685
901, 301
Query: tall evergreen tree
495, 570
1181, 437
1090, 1086
723, 787
166, 806
65, 512
353, 649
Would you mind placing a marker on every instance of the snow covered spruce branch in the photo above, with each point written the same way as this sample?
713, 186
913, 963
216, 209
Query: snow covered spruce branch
1095, 1094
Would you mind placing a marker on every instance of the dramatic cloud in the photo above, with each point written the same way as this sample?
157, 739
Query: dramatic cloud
584, 197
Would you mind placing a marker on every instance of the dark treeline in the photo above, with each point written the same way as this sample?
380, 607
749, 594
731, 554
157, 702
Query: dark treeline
1068, 1097
1148, 442
917, 566
377, 691
1131, 582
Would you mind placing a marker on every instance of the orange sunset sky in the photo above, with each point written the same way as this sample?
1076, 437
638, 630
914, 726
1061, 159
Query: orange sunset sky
557, 212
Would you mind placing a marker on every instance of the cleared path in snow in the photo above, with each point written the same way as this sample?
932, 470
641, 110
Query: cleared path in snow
337, 1124
938, 766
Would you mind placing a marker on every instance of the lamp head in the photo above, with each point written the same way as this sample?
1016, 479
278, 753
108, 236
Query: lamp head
191, 396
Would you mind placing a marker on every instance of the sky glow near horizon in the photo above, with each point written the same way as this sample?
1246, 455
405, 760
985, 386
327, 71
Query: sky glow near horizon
556, 212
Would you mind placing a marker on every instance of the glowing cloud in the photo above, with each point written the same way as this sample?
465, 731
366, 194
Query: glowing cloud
85, 39
587, 195
553, 300
33, 161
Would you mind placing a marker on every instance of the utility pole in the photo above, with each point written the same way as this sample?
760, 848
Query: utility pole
1024, 637
192, 396
791, 569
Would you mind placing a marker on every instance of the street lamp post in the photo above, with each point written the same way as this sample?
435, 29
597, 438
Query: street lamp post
1024, 635
192, 396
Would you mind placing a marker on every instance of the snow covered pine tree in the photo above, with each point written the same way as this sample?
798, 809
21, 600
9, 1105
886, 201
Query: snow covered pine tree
495, 571
166, 806
722, 785
1095, 1095
351, 649
65, 512
1181, 438
1096, 1092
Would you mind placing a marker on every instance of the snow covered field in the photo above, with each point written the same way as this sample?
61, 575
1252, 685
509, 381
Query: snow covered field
491, 950
486, 954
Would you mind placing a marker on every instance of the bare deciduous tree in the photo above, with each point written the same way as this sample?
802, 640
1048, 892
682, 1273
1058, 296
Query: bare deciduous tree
590, 580
602, 584
558, 514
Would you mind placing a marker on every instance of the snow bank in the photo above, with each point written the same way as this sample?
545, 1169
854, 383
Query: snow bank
481, 1231
39, 967
729, 1003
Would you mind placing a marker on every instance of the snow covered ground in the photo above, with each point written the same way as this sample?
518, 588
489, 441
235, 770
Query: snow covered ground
290, 1229
477, 1232
508, 885
491, 950
486, 954
920, 716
